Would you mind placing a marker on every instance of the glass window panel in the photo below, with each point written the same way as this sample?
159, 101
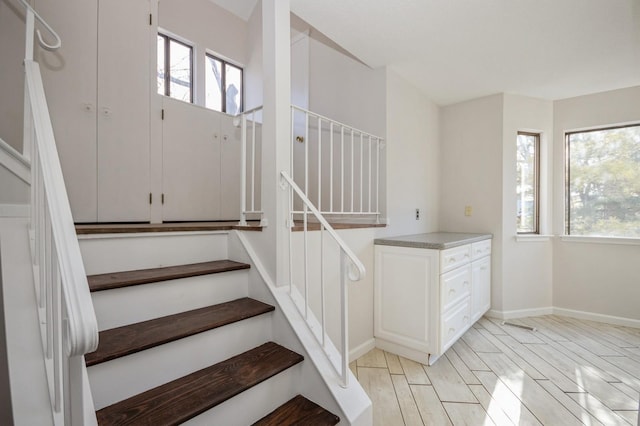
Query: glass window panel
161, 59
180, 71
527, 182
233, 76
213, 83
603, 182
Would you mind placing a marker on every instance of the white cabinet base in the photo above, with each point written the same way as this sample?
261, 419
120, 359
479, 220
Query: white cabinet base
426, 299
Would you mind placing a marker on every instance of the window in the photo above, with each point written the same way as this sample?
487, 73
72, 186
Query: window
603, 182
175, 64
223, 75
527, 182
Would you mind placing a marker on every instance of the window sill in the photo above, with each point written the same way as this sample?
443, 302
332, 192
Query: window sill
601, 240
528, 238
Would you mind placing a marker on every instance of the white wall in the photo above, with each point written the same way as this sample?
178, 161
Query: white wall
591, 277
527, 274
12, 30
471, 175
412, 159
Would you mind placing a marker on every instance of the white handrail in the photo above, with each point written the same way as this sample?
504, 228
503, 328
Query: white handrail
355, 272
58, 42
15, 162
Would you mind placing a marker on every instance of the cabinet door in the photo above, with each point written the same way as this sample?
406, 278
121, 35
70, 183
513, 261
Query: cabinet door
406, 296
190, 162
123, 110
481, 287
70, 78
230, 169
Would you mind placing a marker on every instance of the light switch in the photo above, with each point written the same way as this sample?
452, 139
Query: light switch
468, 210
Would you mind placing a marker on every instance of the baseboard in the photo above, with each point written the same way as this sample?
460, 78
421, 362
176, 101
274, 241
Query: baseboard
591, 316
14, 210
520, 313
361, 349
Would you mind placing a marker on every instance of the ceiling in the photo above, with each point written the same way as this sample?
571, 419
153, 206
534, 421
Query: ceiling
454, 50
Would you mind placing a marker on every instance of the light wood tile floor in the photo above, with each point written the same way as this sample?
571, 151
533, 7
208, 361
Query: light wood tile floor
568, 372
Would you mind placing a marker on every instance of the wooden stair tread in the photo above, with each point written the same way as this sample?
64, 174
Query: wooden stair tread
145, 276
129, 339
182, 399
299, 411
126, 228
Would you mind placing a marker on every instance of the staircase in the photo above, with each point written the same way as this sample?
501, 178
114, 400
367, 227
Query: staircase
181, 341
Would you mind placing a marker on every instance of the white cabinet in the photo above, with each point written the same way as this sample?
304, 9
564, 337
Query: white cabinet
97, 88
425, 299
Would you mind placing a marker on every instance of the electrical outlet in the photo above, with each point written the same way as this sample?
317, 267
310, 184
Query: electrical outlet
468, 210
417, 214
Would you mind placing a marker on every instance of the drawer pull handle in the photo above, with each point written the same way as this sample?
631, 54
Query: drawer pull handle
452, 330
452, 291
452, 259
466, 318
465, 283
466, 255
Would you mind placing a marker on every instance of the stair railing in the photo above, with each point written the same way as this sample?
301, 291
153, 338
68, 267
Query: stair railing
250, 122
351, 269
68, 322
347, 182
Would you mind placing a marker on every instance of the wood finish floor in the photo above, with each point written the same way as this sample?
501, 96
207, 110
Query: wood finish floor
568, 372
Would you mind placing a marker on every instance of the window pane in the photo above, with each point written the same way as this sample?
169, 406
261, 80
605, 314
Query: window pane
180, 71
233, 76
526, 182
160, 80
604, 182
213, 83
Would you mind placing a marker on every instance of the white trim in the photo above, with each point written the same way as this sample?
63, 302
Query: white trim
529, 238
592, 316
520, 313
553, 310
361, 349
14, 210
601, 240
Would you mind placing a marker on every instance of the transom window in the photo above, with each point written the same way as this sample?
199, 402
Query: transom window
175, 68
603, 182
223, 82
527, 182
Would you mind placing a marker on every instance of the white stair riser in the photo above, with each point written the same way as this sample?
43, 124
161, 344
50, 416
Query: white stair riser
254, 403
128, 305
127, 252
121, 378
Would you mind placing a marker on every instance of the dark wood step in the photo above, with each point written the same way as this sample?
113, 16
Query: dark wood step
182, 399
299, 411
129, 339
121, 228
145, 276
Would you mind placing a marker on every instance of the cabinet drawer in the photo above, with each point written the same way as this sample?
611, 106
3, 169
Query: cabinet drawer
454, 257
454, 323
481, 249
454, 286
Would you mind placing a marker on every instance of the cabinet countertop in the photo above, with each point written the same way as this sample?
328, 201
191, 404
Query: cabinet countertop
433, 240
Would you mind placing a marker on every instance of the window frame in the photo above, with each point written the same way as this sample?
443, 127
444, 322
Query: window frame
536, 186
567, 177
167, 66
223, 76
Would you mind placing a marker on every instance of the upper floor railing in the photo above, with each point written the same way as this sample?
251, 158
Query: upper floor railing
337, 166
69, 325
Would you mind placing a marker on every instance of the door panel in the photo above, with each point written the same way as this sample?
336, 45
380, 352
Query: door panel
70, 77
123, 110
191, 162
230, 169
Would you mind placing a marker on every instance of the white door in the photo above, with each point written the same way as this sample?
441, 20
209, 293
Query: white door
190, 162
230, 169
70, 76
123, 110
